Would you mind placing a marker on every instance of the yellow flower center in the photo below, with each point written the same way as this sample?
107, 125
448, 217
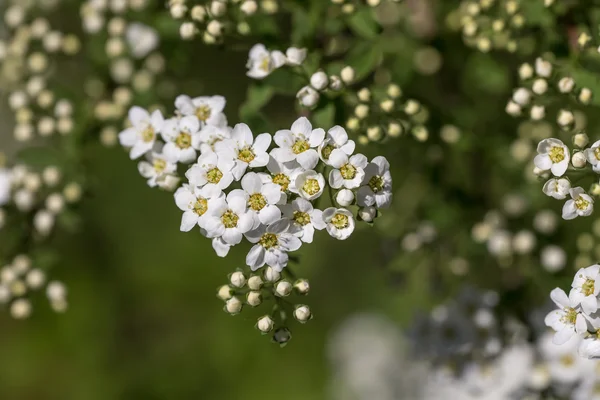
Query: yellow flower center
201, 206
340, 221
588, 287
268, 240
282, 180
159, 165
214, 175
597, 153
581, 203
246, 155
257, 202
376, 184
570, 316
301, 218
311, 186
229, 219
557, 154
184, 140
265, 64
148, 134
300, 146
203, 113
348, 171
326, 152
567, 360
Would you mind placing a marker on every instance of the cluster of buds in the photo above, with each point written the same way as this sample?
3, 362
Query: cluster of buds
381, 112
351, 6
269, 288
218, 18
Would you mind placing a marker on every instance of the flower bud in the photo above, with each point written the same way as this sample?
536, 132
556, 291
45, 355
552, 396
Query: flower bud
265, 324
521, 96
283, 288
565, 119
352, 124
302, 313
589, 348
255, 282
540, 86
178, 10
335, 83
295, 56
282, 336
412, 107
271, 275
302, 286
364, 95
537, 112
394, 91
218, 8
253, 298
525, 71
308, 96
374, 133
237, 279
387, 105
233, 306
361, 111
367, 214
198, 13
543, 68
35, 278
347, 74
43, 221
20, 309
319, 80
566, 85
214, 28
585, 96
344, 197
513, 108
187, 30
394, 129
581, 140
55, 203
578, 159
224, 292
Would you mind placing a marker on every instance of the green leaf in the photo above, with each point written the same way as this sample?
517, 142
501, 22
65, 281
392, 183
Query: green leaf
257, 97
363, 24
324, 117
364, 58
39, 157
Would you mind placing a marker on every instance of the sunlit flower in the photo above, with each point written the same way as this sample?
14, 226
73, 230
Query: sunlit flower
349, 172
246, 150
302, 214
339, 222
299, 144
376, 189
593, 156
261, 62
336, 138
585, 288
179, 134
273, 242
261, 198
566, 320
580, 205
211, 170
156, 167
208, 109
141, 39
310, 184
195, 203
552, 155
229, 219
143, 133
557, 188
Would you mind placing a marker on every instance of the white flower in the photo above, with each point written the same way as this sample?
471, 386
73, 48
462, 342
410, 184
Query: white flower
208, 109
521, 96
557, 188
209, 136
220, 247
553, 258
157, 166
336, 138
593, 156
229, 219
308, 96
584, 289
261, 62
295, 56
310, 184
589, 348
339, 222
552, 155
179, 135
261, 199
566, 320
284, 175
245, 149
5, 185
273, 242
141, 39
142, 135
211, 169
581, 204
348, 172
376, 189
195, 203
306, 218
299, 144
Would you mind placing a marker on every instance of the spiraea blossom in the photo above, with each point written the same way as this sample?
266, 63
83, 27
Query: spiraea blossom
552, 155
376, 187
581, 204
261, 62
299, 144
143, 133
207, 109
557, 188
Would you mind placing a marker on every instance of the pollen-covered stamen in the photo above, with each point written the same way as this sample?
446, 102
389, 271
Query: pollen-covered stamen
348, 171
203, 113
301, 218
257, 201
282, 180
567, 360
230, 219
311, 186
268, 240
340, 221
326, 152
597, 153
300, 146
214, 175
183, 140
557, 154
588, 287
581, 203
265, 64
570, 316
246, 154
376, 184
159, 165
148, 134
201, 206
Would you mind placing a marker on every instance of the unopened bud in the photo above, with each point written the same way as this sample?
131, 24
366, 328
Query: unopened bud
237, 279
578, 160
271, 275
233, 306
302, 286
367, 214
255, 282
224, 292
254, 298
581, 140
283, 288
302, 313
265, 324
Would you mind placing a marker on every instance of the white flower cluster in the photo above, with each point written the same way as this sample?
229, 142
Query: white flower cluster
239, 187
577, 314
554, 156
